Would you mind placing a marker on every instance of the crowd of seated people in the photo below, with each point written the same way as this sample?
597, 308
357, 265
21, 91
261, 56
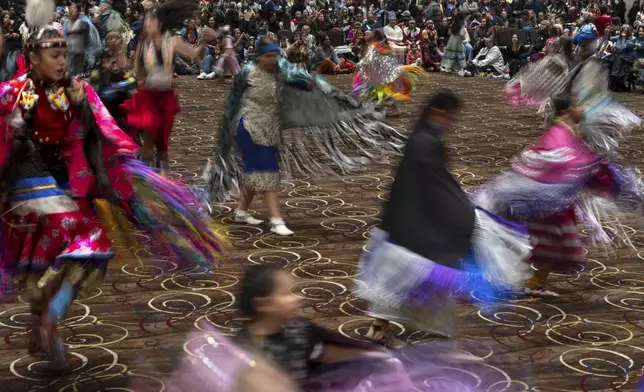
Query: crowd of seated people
496, 38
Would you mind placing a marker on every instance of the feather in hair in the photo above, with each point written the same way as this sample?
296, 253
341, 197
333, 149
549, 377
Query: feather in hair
149, 5
39, 13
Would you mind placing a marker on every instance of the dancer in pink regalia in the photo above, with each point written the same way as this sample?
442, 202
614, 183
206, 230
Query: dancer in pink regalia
555, 185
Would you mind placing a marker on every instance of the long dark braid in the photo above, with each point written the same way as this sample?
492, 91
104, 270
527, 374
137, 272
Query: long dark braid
21, 149
93, 140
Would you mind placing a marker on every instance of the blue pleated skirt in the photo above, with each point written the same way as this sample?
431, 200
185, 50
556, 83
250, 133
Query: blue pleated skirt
261, 163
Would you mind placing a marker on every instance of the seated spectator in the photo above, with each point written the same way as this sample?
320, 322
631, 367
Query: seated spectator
307, 36
505, 21
622, 59
371, 23
489, 60
295, 23
394, 35
208, 71
443, 33
513, 55
475, 21
430, 34
411, 33
639, 18
320, 26
638, 66
469, 7
351, 34
414, 56
432, 56
298, 51
524, 22
360, 47
325, 61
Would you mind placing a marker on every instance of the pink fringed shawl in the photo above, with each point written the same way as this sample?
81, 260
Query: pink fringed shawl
559, 156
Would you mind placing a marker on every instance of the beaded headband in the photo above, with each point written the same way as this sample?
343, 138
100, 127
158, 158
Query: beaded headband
47, 43
272, 47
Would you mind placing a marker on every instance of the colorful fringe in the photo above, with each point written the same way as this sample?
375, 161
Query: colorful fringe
400, 89
173, 214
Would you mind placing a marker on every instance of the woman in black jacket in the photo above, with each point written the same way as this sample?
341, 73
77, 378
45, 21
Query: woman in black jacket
426, 225
424, 249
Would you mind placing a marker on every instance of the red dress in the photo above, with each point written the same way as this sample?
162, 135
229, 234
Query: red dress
50, 219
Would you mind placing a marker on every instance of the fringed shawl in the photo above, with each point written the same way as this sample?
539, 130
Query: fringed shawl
326, 125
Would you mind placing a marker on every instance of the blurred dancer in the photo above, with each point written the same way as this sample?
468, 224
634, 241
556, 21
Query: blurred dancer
275, 352
152, 109
83, 42
425, 247
271, 95
227, 64
542, 80
381, 78
555, 185
61, 152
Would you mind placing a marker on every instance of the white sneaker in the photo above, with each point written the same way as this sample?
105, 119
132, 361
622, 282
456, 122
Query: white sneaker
202, 76
279, 227
245, 217
461, 73
467, 74
211, 75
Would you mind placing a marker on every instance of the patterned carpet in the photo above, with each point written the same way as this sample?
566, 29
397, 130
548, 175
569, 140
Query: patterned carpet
591, 339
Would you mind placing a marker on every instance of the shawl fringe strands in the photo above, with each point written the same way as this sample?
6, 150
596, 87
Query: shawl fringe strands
174, 214
606, 122
39, 13
165, 209
404, 286
325, 130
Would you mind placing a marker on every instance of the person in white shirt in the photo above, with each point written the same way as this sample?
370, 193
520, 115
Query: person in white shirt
395, 37
412, 33
490, 60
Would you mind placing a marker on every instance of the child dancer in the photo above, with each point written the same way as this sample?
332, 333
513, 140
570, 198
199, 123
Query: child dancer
276, 352
454, 58
227, 64
152, 109
381, 78
431, 235
60, 153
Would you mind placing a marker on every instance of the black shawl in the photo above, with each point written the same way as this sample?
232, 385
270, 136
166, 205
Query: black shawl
428, 213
